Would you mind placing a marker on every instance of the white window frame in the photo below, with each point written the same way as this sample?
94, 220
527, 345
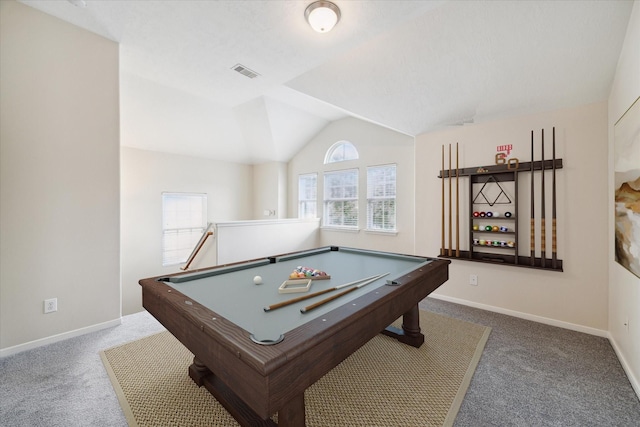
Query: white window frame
341, 151
184, 220
381, 198
308, 195
339, 197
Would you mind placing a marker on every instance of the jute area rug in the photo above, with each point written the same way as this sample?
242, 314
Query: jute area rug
385, 383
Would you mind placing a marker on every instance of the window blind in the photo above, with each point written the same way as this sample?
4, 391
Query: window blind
307, 195
341, 198
184, 219
381, 198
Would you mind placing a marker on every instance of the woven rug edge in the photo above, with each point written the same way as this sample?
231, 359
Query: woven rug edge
122, 399
466, 381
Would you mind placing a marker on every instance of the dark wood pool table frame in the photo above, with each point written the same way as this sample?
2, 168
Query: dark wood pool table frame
253, 381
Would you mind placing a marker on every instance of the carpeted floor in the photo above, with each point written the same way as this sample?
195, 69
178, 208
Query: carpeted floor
384, 383
536, 375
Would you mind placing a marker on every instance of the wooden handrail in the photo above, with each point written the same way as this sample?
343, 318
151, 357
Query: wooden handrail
195, 251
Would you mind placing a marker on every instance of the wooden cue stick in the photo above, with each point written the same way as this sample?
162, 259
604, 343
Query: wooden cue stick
543, 215
442, 251
450, 224
554, 248
336, 296
315, 294
457, 205
533, 211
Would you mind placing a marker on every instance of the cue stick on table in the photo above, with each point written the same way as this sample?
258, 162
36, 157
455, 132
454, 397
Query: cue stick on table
331, 298
315, 294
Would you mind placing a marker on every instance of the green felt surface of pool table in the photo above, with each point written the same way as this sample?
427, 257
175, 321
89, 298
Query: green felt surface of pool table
232, 293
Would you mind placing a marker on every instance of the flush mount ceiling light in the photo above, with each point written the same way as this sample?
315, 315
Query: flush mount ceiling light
322, 15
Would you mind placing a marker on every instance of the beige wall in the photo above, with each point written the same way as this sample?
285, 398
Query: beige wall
270, 190
145, 175
624, 287
575, 298
376, 146
59, 186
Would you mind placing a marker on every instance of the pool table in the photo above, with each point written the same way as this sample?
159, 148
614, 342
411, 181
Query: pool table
256, 361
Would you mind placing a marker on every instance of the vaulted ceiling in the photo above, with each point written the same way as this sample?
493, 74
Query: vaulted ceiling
411, 66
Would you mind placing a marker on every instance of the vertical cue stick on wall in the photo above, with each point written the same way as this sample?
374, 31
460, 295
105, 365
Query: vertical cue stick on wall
554, 248
457, 205
533, 211
543, 230
442, 252
450, 225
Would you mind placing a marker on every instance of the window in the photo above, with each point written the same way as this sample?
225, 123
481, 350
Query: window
341, 151
308, 195
381, 198
184, 219
341, 198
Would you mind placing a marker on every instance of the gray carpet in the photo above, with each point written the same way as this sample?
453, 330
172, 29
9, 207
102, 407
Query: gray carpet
529, 375
532, 374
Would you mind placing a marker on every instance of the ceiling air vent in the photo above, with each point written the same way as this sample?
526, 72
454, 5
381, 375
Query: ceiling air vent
245, 71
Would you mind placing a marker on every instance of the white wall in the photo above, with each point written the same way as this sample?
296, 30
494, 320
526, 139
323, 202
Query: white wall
376, 146
624, 287
145, 175
59, 185
244, 240
575, 298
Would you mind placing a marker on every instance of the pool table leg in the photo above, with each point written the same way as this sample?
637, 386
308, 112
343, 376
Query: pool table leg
410, 333
239, 410
198, 372
292, 414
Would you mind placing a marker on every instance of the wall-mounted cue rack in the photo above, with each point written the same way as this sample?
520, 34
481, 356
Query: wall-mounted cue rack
492, 210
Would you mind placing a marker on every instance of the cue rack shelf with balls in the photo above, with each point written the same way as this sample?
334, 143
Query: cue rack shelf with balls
493, 213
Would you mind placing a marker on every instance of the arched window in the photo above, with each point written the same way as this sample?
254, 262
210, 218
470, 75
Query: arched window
341, 151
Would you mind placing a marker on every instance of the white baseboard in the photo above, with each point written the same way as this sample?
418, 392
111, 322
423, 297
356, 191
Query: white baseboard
625, 366
526, 316
56, 338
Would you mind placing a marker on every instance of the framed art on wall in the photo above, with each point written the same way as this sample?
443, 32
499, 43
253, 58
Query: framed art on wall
627, 189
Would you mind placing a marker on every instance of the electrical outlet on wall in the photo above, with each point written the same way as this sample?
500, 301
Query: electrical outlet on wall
50, 305
473, 279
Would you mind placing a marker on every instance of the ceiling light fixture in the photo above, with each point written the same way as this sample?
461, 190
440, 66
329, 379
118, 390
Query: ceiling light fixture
322, 15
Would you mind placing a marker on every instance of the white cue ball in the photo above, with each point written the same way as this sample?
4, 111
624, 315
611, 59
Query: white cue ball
257, 280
